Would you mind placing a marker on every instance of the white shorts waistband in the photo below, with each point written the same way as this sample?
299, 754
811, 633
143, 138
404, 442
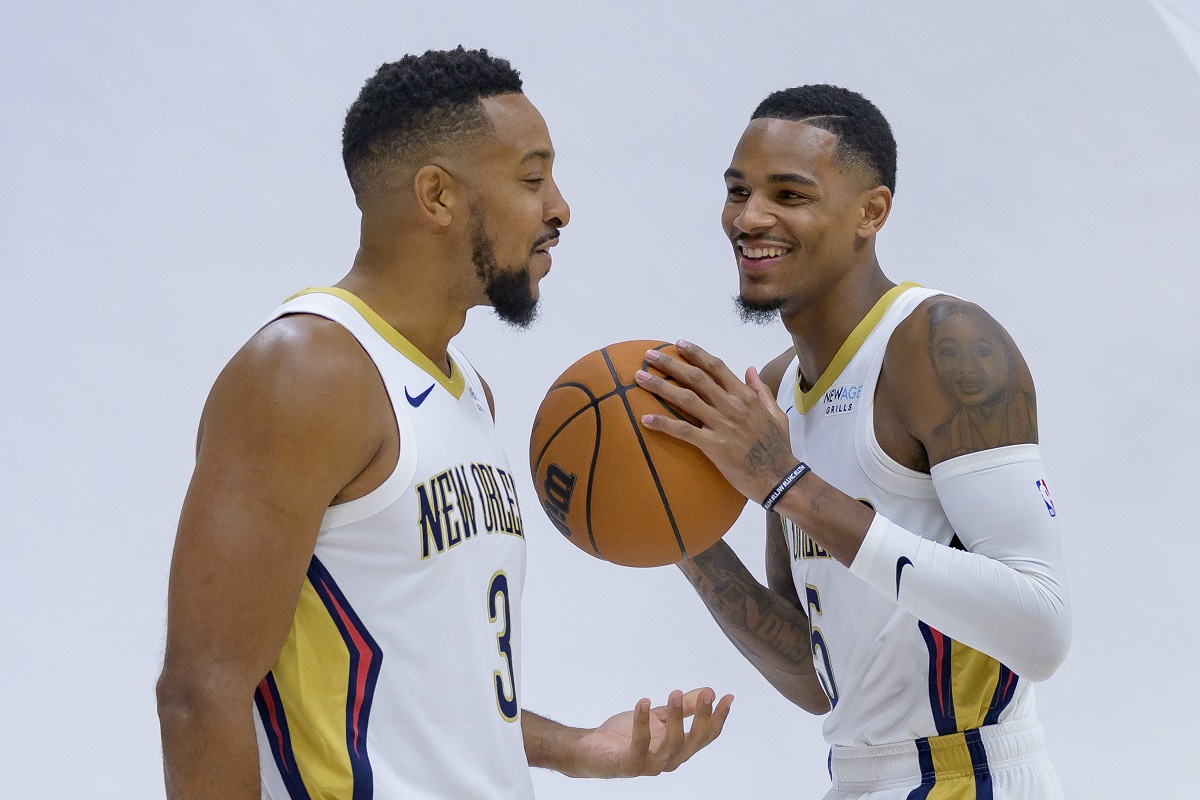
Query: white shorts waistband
875, 767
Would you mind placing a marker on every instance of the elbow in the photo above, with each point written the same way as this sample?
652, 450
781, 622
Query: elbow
1047, 645
803, 690
177, 697
816, 705
187, 697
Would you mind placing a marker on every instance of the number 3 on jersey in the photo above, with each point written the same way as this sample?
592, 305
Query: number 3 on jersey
819, 649
506, 697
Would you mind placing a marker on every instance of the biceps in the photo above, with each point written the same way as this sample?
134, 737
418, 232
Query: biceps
241, 553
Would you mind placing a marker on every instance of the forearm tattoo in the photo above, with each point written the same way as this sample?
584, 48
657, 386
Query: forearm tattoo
758, 620
814, 503
977, 367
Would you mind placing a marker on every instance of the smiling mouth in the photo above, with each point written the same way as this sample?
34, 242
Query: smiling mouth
763, 252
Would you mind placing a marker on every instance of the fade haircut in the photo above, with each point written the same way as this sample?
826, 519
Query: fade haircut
411, 106
865, 139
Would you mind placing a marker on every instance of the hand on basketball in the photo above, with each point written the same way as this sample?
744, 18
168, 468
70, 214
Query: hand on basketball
649, 741
742, 430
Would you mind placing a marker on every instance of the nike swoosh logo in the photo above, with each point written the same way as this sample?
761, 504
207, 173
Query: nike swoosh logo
415, 402
901, 563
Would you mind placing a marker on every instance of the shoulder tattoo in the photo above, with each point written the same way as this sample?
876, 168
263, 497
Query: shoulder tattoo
983, 377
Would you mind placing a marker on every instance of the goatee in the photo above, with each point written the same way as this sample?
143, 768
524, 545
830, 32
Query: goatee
758, 312
510, 290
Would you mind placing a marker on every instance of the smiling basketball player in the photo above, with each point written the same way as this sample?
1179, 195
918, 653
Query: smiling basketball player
922, 544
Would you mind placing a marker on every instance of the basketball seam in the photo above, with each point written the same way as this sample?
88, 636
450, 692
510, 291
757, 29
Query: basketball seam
591, 479
662, 493
594, 405
594, 402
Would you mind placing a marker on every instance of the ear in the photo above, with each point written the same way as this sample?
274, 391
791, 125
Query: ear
437, 194
874, 207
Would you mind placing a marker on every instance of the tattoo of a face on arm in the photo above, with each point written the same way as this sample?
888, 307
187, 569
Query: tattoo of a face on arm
977, 369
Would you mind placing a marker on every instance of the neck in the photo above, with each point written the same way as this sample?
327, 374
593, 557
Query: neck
412, 288
820, 328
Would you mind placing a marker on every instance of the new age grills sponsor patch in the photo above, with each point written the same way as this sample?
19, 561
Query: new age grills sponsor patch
840, 399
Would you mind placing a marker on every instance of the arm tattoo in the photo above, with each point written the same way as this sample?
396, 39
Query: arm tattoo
814, 503
759, 621
977, 367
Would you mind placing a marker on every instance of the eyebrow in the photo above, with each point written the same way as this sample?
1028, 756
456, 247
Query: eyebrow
534, 155
778, 177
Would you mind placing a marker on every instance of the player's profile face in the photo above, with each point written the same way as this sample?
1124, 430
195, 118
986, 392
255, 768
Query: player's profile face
790, 214
517, 209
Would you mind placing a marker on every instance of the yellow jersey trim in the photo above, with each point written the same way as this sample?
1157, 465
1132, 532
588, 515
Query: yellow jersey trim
806, 400
454, 383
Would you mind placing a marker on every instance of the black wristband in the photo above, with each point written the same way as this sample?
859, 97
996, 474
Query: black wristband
788, 482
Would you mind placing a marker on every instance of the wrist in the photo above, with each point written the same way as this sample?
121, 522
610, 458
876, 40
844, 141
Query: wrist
785, 484
551, 745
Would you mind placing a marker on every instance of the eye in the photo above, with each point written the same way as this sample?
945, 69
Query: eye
737, 192
788, 196
534, 182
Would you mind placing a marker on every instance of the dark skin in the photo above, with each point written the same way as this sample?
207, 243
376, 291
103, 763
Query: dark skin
299, 420
803, 224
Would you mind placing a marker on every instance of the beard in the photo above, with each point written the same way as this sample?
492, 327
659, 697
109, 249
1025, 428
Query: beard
509, 289
758, 312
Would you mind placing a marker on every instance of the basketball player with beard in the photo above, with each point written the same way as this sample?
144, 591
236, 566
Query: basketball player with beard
915, 583
344, 602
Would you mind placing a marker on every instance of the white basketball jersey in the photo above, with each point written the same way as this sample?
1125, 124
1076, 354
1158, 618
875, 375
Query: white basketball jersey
401, 674
889, 676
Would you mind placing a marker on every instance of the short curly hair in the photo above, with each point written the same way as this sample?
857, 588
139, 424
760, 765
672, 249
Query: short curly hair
864, 136
410, 105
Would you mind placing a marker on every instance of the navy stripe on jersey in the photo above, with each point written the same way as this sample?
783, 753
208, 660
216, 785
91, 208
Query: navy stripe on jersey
1006, 690
270, 710
365, 660
941, 694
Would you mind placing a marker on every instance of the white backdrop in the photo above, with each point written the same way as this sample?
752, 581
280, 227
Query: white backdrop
169, 172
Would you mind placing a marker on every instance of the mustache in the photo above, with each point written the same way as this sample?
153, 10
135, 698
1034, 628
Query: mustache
742, 237
553, 236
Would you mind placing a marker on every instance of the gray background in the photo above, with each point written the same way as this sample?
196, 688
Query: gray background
170, 172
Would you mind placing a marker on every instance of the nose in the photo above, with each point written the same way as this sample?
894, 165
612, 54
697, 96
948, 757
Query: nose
556, 210
753, 215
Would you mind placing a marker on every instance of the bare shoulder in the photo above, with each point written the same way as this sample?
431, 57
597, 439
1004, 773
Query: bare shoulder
956, 381
772, 374
302, 378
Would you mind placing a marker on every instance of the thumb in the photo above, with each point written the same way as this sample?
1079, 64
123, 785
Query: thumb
755, 382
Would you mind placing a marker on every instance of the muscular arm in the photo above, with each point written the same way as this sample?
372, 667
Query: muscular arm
767, 628
765, 623
955, 389
955, 399
283, 434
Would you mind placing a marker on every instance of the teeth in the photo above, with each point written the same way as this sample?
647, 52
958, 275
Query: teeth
763, 252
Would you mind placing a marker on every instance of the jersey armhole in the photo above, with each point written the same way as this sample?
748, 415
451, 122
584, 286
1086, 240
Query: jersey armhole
337, 310
883, 470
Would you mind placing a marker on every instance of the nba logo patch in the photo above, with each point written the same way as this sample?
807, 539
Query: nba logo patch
1045, 490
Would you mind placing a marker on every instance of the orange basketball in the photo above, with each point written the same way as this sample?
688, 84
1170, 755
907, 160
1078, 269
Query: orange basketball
614, 488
